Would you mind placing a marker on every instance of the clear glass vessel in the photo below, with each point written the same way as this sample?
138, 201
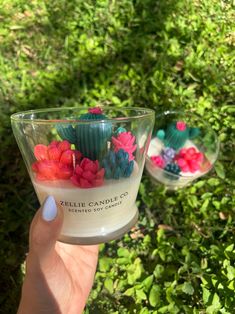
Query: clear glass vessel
91, 161
183, 148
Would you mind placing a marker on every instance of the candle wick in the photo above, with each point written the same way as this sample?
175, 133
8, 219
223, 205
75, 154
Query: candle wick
74, 161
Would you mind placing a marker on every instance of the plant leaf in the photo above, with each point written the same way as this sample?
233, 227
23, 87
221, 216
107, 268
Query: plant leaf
188, 288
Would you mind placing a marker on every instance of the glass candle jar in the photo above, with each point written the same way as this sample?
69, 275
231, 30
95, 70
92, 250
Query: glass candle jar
91, 161
184, 147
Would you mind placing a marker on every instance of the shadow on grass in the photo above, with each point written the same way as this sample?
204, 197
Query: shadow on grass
135, 46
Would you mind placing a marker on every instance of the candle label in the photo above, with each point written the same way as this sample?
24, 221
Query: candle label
94, 206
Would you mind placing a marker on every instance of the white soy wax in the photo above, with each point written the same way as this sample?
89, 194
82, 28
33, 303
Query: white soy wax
95, 211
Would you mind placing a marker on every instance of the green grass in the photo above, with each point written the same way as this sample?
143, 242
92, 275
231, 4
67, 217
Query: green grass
158, 54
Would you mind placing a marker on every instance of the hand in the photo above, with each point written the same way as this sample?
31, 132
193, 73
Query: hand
58, 276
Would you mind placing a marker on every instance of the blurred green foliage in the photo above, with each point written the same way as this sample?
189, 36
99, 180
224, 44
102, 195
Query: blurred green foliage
153, 53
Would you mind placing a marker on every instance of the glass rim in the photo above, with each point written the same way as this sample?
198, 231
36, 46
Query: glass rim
186, 112
19, 116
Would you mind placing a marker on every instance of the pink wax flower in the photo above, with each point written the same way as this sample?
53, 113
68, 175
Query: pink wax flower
125, 141
55, 161
158, 161
95, 110
189, 159
88, 174
180, 125
50, 170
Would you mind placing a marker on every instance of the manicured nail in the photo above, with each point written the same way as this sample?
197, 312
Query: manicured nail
49, 209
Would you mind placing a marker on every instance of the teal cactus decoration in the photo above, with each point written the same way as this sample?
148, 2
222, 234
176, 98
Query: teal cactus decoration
194, 132
90, 139
174, 169
120, 130
176, 137
160, 134
117, 165
93, 114
176, 134
66, 133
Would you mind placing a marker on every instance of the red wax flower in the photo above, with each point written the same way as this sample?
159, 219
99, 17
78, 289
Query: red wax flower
158, 161
180, 125
189, 159
95, 110
125, 141
55, 161
88, 174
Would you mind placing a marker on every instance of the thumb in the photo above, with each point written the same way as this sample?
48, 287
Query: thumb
45, 229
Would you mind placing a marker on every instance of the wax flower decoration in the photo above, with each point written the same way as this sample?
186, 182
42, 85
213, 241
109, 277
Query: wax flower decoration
189, 159
168, 154
158, 161
125, 141
173, 168
55, 161
88, 174
117, 165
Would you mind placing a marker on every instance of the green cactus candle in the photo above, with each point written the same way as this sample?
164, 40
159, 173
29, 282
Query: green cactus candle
67, 133
176, 134
91, 139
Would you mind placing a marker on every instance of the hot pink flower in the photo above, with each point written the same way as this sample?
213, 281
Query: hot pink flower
88, 174
125, 141
158, 161
180, 125
189, 159
95, 110
55, 161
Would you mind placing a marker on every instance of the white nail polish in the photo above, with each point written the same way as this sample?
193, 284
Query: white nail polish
49, 209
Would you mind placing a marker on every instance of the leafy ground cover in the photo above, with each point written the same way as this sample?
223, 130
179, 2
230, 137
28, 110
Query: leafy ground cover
153, 53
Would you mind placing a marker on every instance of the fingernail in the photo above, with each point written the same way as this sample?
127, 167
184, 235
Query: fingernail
49, 209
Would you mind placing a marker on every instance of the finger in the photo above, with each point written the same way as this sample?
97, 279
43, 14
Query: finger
45, 229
